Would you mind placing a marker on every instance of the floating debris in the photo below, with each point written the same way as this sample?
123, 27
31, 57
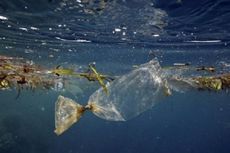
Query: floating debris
120, 98
131, 94
21, 74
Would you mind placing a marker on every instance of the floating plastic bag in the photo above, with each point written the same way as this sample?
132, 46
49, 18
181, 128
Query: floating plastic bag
127, 97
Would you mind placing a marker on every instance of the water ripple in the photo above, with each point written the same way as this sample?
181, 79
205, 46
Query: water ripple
61, 22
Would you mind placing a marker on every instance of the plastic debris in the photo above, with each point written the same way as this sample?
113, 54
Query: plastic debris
133, 93
127, 97
67, 112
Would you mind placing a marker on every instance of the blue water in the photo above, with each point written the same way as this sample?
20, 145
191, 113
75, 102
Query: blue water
116, 34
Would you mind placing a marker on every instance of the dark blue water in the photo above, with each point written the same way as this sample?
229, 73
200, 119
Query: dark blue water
116, 34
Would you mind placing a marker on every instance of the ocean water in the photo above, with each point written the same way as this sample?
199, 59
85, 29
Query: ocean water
116, 34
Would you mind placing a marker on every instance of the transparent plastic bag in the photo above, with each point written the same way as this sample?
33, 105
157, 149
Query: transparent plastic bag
128, 96
131, 94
